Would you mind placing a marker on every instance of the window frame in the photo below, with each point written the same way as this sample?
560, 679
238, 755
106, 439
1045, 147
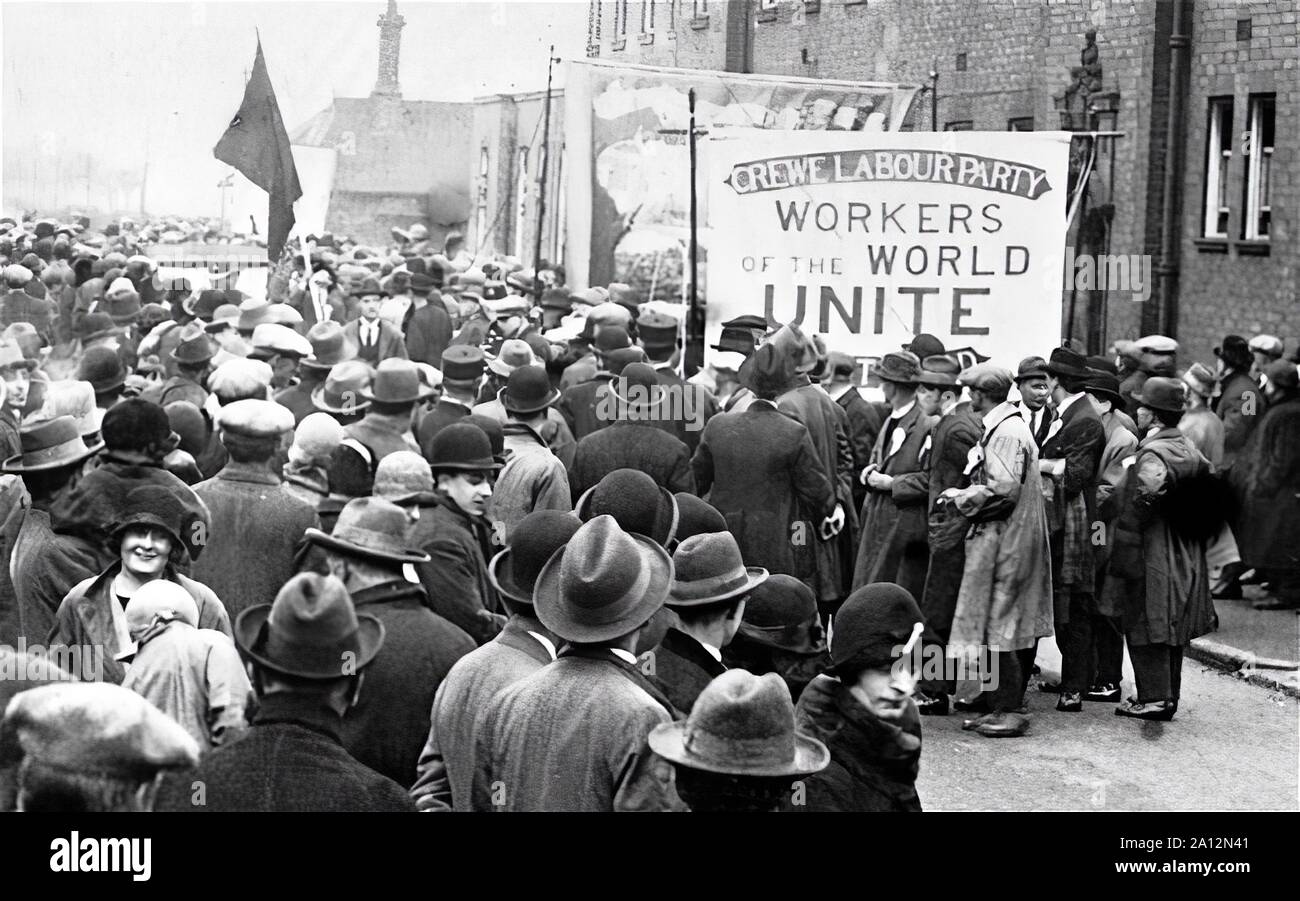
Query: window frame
1259, 165
1218, 162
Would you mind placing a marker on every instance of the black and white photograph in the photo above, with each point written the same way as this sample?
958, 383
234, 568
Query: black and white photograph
697, 406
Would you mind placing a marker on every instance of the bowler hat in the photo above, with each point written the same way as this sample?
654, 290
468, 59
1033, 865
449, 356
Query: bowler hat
635, 501
366, 286
1031, 368
495, 430
770, 372
603, 584
49, 445
195, 346
461, 447
370, 527
462, 362
708, 569
939, 371
872, 624
618, 360
344, 389
528, 390
611, 337
902, 367
187, 421
925, 345
1068, 363
638, 387
782, 613
514, 571
1235, 352
312, 631
1159, 393
793, 343
736, 340
696, 517
1105, 386
1283, 375
397, 381
330, 346
741, 725
103, 368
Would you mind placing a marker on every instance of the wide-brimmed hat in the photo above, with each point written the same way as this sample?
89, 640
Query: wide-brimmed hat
635, 501
1159, 393
536, 537
1200, 379
330, 346
103, 368
1106, 386
603, 584
370, 527
708, 569
872, 624
514, 353
312, 631
397, 381
1068, 363
793, 343
343, 391
1235, 352
1031, 368
736, 340
50, 445
902, 368
768, 372
782, 613
462, 447
939, 371
528, 390
195, 346
741, 725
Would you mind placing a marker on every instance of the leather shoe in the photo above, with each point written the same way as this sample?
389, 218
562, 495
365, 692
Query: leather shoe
1004, 725
1070, 702
928, 706
1050, 688
971, 724
1153, 710
1107, 693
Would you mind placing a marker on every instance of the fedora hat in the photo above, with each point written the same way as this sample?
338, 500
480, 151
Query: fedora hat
397, 381
696, 516
514, 353
782, 613
635, 501
312, 631
1031, 368
603, 584
528, 390
1159, 393
1067, 362
768, 372
1105, 385
98, 325
1198, 378
370, 527
736, 340
344, 388
50, 445
103, 368
1235, 352
366, 286
901, 367
708, 569
329, 346
462, 447
939, 371
11, 355
741, 725
195, 346
514, 571
793, 343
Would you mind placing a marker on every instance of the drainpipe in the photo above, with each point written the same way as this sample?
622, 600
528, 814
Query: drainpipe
1165, 320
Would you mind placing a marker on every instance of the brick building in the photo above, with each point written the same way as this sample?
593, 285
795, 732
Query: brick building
1200, 87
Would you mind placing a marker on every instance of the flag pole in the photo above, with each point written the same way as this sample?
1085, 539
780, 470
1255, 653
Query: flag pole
541, 175
692, 312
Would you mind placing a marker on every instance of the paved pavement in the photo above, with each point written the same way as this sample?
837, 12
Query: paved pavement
1232, 746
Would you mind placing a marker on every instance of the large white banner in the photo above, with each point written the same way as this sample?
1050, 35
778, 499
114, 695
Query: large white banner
869, 238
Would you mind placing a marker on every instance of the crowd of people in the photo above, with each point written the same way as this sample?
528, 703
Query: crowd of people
416, 531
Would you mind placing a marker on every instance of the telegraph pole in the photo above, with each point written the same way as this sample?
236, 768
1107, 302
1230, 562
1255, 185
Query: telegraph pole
693, 352
551, 60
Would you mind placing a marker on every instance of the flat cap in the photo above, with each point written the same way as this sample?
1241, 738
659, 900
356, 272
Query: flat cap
279, 339
256, 418
986, 377
1157, 344
239, 379
1267, 344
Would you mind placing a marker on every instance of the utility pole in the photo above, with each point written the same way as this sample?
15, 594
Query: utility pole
693, 352
934, 95
551, 60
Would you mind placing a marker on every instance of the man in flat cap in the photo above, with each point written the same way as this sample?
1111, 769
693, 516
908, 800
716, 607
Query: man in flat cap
462, 375
658, 335
254, 516
308, 651
281, 348
91, 747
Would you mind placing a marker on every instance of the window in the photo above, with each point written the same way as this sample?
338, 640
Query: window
961, 62
481, 203
701, 8
647, 7
1023, 123
1257, 148
960, 125
1244, 31
1218, 152
622, 18
767, 4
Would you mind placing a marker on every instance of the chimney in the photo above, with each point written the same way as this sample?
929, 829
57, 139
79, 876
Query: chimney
390, 49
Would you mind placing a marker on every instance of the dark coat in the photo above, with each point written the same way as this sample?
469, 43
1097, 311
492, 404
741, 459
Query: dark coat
301, 301
682, 669
895, 522
446, 768
631, 445
864, 425
572, 737
1267, 479
44, 566
390, 344
943, 465
579, 405
428, 332
291, 759
1238, 393
13, 509
760, 470
693, 414
297, 398
19, 306
388, 726
455, 579
383, 434
444, 413
1079, 441
873, 763
178, 387
257, 525
85, 620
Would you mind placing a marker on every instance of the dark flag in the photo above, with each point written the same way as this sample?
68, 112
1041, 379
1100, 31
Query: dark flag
257, 144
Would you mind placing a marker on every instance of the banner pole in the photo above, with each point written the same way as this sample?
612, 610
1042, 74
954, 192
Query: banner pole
692, 312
